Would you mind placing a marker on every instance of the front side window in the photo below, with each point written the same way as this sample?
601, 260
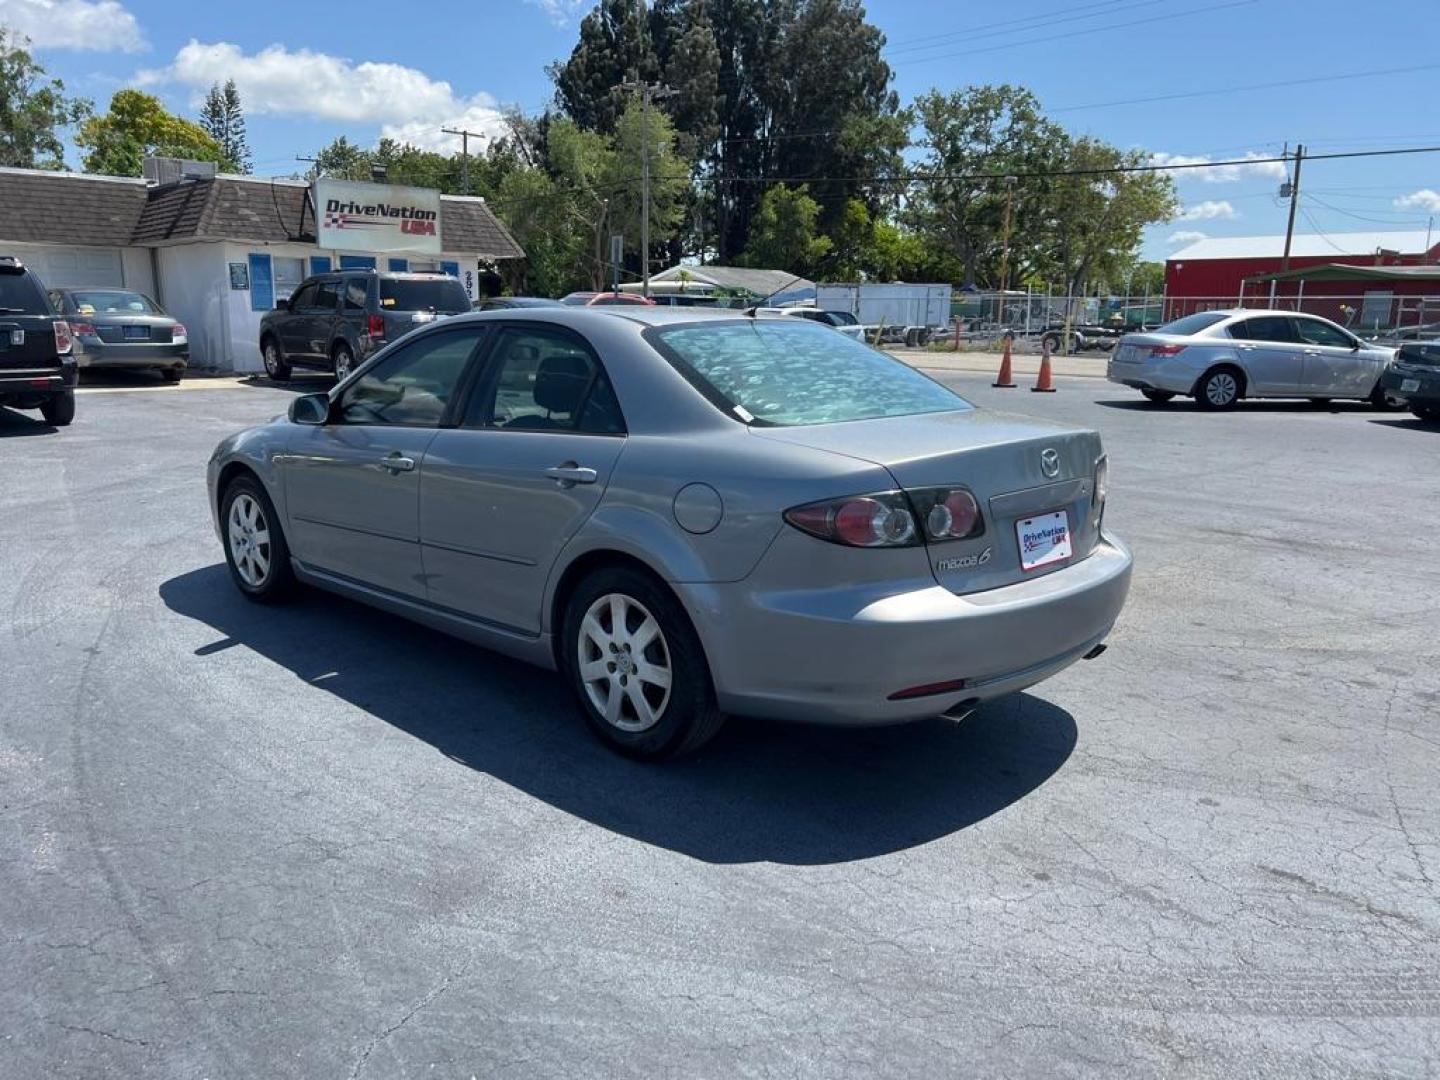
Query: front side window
304, 296
414, 384
327, 295
1315, 332
546, 380
775, 371
1264, 328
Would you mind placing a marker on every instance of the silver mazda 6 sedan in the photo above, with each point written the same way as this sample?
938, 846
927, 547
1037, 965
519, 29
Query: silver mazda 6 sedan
1219, 357
687, 514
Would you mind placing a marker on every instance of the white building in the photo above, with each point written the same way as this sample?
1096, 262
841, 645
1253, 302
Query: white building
215, 251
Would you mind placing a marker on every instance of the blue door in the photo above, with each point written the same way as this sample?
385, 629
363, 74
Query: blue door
357, 262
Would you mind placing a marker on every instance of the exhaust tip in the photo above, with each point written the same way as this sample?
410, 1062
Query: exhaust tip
1096, 651
961, 709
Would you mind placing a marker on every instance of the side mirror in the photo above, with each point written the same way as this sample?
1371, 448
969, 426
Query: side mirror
313, 409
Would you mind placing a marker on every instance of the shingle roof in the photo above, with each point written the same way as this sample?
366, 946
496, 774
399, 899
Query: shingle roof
67, 208
232, 208
1356, 244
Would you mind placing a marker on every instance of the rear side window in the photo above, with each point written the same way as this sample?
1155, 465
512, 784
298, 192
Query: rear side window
20, 294
355, 294
423, 294
784, 371
1264, 328
1193, 324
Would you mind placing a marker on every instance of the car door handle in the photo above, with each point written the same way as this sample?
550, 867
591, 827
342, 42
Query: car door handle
396, 463
571, 473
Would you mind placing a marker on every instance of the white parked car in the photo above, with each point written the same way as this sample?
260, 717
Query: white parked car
843, 321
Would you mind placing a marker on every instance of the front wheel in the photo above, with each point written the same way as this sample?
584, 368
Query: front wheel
637, 667
1382, 401
1158, 396
1428, 413
255, 547
59, 410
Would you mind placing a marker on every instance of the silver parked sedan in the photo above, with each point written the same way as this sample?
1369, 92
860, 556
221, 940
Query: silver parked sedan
1219, 357
687, 514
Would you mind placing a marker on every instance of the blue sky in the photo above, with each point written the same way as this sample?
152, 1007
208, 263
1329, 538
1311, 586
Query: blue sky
365, 68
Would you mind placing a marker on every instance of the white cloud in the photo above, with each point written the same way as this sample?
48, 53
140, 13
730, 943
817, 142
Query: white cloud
406, 103
1209, 210
561, 12
1185, 236
93, 25
1424, 199
1246, 167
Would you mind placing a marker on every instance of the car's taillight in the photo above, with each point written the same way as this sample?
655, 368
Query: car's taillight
892, 518
375, 325
81, 328
63, 341
179, 334
880, 520
948, 513
1166, 350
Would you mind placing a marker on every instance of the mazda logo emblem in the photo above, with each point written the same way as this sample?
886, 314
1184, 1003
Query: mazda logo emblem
1050, 463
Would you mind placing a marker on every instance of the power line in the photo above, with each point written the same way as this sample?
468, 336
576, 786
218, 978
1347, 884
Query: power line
987, 30
1252, 86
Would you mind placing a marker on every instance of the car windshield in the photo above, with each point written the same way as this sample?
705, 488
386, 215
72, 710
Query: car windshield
1193, 324
783, 372
20, 295
112, 303
423, 294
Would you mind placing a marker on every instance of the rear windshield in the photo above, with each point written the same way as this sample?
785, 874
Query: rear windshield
112, 303
20, 294
423, 294
773, 371
1193, 324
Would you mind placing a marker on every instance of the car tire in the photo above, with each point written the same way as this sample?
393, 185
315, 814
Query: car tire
620, 689
255, 547
59, 410
172, 375
343, 362
1382, 401
1159, 397
1429, 413
275, 365
1220, 388
1053, 340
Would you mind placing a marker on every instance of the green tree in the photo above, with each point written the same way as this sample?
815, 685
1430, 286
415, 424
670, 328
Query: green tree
557, 254
32, 108
785, 233
615, 46
669, 178
224, 121
137, 126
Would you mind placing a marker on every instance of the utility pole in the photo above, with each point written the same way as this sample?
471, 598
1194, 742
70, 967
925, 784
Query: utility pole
1005, 250
1294, 204
648, 92
465, 137
314, 164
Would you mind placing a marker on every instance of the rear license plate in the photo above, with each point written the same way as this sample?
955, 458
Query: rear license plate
1409, 386
137, 333
1044, 539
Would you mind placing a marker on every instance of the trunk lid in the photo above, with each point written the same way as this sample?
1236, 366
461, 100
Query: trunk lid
131, 329
1002, 459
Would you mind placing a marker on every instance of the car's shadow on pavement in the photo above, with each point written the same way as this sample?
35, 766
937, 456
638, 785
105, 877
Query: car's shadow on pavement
1257, 405
317, 382
761, 791
15, 424
1431, 427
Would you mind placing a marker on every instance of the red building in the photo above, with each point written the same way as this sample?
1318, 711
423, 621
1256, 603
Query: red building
1213, 273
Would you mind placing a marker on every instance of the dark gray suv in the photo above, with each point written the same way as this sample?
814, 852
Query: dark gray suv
334, 321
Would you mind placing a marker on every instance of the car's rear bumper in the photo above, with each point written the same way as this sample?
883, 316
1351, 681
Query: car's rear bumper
1171, 376
1426, 383
116, 355
801, 656
29, 382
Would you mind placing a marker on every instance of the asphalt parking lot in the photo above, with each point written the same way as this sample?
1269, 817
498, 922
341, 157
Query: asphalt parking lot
318, 841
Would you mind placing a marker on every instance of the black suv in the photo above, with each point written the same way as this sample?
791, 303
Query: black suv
335, 321
37, 365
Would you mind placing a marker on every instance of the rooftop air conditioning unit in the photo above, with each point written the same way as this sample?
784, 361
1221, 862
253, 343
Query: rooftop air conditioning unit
162, 171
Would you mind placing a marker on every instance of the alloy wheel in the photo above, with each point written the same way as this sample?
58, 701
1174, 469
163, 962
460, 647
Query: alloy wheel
624, 663
249, 535
1221, 389
272, 360
344, 364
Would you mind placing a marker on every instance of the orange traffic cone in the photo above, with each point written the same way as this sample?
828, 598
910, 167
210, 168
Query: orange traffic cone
1042, 382
1005, 380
